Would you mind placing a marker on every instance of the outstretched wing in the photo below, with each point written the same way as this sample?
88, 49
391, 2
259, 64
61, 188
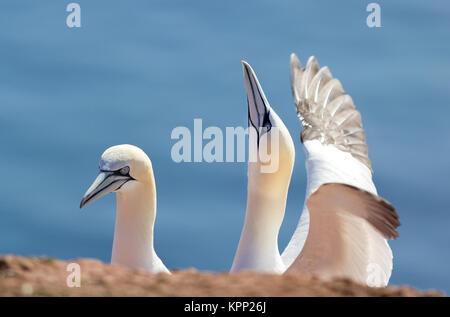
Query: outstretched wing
327, 114
347, 225
348, 241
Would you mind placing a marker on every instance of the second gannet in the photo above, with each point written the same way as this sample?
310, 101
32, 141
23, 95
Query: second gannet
344, 225
127, 171
266, 192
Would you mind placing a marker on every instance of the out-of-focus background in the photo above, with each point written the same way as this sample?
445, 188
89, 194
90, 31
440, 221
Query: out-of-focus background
136, 70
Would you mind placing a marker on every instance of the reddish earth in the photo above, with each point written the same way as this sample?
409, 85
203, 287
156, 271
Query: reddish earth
21, 276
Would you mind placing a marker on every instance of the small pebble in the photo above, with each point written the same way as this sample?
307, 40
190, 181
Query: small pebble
27, 289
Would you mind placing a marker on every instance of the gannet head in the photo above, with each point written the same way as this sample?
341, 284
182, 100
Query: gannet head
268, 127
121, 166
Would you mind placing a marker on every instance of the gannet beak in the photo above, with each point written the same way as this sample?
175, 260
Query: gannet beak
106, 182
258, 106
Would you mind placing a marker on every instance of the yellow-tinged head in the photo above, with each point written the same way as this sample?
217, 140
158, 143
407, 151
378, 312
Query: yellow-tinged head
120, 166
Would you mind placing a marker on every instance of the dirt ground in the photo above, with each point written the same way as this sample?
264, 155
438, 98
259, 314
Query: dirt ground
22, 276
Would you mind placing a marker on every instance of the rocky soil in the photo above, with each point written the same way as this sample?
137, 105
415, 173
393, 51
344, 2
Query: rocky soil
23, 276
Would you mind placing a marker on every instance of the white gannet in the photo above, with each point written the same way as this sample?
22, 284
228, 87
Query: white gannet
344, 224
127, 170
266, 192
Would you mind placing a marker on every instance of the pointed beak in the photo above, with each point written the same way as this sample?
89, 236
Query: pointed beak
106, 182
258, 106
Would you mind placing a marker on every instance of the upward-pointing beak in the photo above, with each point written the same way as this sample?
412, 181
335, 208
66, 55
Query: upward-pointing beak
258, 106
106, 182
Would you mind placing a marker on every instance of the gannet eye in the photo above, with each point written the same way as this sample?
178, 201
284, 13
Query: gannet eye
124, 170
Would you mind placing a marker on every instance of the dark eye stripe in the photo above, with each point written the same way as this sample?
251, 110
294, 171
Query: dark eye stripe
123, 171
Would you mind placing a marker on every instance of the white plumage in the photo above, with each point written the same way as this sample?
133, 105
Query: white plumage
344, 225
126, 170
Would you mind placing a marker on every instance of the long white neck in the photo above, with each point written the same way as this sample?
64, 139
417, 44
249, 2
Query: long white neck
133, 235
266, 203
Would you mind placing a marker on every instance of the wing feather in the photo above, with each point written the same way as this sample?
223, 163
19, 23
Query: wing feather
326, 112
347, 231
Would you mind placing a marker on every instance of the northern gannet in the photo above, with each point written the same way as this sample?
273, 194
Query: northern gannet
344, 225
127, 170
266, 192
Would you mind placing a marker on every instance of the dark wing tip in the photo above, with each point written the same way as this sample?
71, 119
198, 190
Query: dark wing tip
376, 210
